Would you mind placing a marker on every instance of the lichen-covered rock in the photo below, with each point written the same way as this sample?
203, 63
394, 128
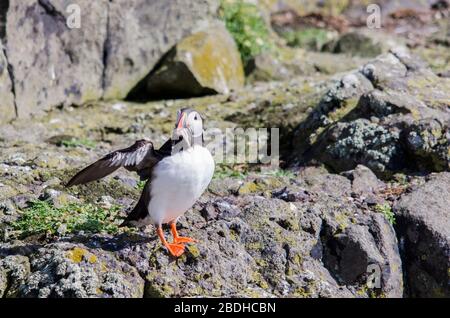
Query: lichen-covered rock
14, 271
7, 106
423, 227
390, 115
274, 247
140, 32
429, 142
68, 270
204, 62
356, 43
361, 142
286, 63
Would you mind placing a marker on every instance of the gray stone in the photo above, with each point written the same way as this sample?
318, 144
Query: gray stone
205, 62
14, 271
7, 105
423, 227
67, 270
364, 181
52, 63
140, 32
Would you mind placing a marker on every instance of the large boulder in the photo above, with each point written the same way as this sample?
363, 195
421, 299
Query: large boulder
54, 64
205, 62
140, 32
7, 106
423, 228
267, 236
390, 115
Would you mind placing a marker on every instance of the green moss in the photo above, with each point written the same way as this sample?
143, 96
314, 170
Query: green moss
77, 142
311, 38
280, 173
223, 171
42, 217
247, 26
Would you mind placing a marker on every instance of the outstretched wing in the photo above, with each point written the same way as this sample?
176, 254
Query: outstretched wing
140, 157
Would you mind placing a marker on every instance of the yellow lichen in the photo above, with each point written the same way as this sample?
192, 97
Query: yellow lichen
77, 254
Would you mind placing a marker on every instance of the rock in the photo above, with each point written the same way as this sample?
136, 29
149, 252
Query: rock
67, 270
339, 100
390, 116
7, 106
429, 142
286, 64
54, 64
319, 180
58, 198
350, 254
252, 244
364, 181
423, 227
14, 271
141, 32
203, 63
355, 43
362, 142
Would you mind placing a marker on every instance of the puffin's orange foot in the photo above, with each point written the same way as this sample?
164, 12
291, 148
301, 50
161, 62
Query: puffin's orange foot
182, 239
175, 249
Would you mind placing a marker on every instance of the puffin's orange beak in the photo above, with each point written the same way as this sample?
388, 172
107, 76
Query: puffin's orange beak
181, 121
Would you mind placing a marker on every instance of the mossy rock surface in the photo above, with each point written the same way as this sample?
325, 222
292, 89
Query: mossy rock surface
203, 63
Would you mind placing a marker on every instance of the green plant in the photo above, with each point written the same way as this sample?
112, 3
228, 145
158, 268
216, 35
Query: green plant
223, 171
141, 184
312, 38
247, 26
280, 173
386, 210
75, 142
43, 217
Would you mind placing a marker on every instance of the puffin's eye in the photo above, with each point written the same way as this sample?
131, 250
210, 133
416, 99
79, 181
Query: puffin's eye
195, 117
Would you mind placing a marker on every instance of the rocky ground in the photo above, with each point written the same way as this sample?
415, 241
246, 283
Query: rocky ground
359, 207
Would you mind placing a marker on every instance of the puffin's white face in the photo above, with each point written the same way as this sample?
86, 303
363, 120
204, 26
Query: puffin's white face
189, 125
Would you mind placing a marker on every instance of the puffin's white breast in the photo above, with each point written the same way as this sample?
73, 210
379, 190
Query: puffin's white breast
178, 181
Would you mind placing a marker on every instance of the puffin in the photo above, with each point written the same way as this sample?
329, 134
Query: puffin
176, 175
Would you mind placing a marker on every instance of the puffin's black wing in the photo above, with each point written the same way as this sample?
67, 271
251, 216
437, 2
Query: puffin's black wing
140, 157
140, 211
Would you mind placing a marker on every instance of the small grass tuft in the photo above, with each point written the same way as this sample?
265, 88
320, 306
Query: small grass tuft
310, 38
280, 173
78, 142
141, 184
42, 217
386, 210
223, 171
247, 26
